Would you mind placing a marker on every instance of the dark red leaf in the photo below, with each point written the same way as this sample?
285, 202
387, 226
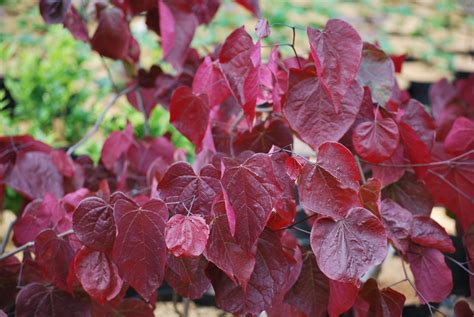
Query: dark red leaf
140, 6
425, 264
54, 11
262, 29
97, 274
341, 297
337, 52
376, 141
209, 80
462, 309
293, 168
459, 139
149, 98
134, 307
112, 36
187, 276
182, 189
398, 61
54, 256
116, 144
377, 72
205, 10
369, 195
93, 223
330, 186
73, 22
310, 112
39, 300
139, 250
346, 249
189, 113
63, 162
186, 236
416, 150
389, 172
142, 153
416, 116
378, 303
9, 270
251, 5
398, 224
429, 233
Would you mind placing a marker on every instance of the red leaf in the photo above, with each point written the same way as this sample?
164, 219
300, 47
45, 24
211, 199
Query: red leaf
342, 297
459, 139
330, 186
310, 293
398, 224
346, 249
416, 150
262, 28
53, 255
142, 153
97, 274
187, 276
177, 27
186, 236
415, 115
378, 303
189, 113
267, 280
54, 11
94, 224
425, 264
337, 54
116, 144
398, 61
63, 163
462, 309
133, 307
139, 249
388, 174
251, 5
181, 189
293, 168
376, 141
73, 22
39, 300
429, 233
112, 36
209, 80
310, 112
251, 190
224, 252
369, 195
377, 72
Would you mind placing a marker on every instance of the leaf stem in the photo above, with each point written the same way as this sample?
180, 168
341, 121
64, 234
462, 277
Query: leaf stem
361, 171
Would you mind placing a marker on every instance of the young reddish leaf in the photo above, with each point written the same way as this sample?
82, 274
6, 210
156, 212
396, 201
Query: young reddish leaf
330, 186
369, 195
139, 250
63, 163
181, 189
388, 174
73, 22
251, 5
189, 113
310, 112
376, 141
377, 72
346, 249
416, 150
97, 274
310, 293
187, 276
39, 300
54, 11
341, 297
462, 309
425, 264
378, 303
262, 29
93, 223
209, 80
459, 139
116, 144
53, 255
224, 252
251, 190
267, 280
34, 175
112, 36
336, 64
398, 224
293, 168
186, 236
416, 116
429, 233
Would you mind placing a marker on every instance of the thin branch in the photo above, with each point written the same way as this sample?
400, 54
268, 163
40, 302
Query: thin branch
459, 264
30, 244
298, 222
288, 26
396, 283
138, 94
301, 230
186, 307
459, 191
7, 237
109, 74
175, 304
293, 46
361, 171
97, 124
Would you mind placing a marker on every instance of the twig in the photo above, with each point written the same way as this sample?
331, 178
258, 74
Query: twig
298, 222
288, 26
97, 124
361, 171
459, 264
138, 94
459, 191
30, 244
7, 236
301, 230
109, 74
293, 46
396, 283
175, 304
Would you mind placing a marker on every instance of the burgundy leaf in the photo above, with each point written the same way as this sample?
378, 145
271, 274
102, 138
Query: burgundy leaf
139, 250
205, 10
9, 270
337, 54
148, 95
54, 256
209, 80
187, 276
73, 22
398, 224
459, 139
293, 168
189, 113
462, 309
369, 195
376, 141
140, 6
97, 274
251, 5
346, 249
330, 186
63, 163
39, 300
342, 297
378, 303
186, 236
426, 263
416, 150
182, 189
311, 114
142, 153
54, 11
116, 144
429, 233
415, 115
389, 172
93, 223
134, 307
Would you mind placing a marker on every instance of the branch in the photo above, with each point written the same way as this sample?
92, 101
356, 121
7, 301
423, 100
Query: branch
459, 264
30, 244
298, 222
109, 74
459, 191
7, 237
97, 124
138, 94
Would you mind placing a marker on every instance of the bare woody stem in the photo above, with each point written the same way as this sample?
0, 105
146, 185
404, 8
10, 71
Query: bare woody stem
138, 94
101, 117
7, 236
